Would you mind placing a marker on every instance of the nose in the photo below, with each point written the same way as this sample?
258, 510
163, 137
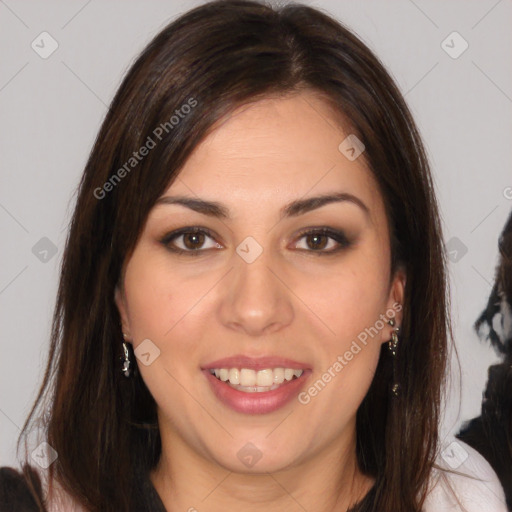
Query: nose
257, 299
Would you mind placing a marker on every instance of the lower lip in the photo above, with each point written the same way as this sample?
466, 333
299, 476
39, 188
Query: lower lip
256, 403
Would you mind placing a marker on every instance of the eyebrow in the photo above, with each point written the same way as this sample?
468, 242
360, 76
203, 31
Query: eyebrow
293, 209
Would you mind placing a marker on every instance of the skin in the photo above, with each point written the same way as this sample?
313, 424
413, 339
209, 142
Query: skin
292, 301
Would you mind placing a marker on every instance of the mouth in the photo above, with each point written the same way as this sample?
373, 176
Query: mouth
256, 385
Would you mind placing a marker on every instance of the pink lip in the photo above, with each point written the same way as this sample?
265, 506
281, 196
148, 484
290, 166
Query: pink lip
255, 403
255, 363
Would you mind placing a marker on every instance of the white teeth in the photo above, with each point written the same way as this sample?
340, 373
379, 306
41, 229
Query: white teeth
264, 378
253, 381
247, 377
288, 374
278, 375
234, 376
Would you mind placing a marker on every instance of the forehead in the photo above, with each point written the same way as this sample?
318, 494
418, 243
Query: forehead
272, 151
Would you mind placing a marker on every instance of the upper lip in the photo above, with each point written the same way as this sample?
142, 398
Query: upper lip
255, 363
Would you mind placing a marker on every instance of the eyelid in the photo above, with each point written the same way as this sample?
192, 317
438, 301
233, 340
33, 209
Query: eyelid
337, 235
334, 234
173, 235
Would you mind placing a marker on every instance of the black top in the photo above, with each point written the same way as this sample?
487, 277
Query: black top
15, 495
146, 498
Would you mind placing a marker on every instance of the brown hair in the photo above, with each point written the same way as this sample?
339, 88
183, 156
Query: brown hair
222, 55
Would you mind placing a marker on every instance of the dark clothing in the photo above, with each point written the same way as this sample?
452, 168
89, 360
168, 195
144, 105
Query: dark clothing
15, 495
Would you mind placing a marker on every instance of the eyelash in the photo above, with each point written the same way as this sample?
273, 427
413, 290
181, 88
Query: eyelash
337, 236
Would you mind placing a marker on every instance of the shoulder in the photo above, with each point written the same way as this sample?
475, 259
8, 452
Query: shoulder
15, 490
464, 482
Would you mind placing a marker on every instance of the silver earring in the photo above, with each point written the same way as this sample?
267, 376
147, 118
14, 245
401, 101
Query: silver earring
393, 345
127, 363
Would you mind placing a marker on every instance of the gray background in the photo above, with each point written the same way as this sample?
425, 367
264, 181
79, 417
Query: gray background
51, 110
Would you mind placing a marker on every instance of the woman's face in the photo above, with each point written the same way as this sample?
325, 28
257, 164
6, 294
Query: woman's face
258, 300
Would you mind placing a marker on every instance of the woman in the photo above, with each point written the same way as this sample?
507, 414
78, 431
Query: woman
256, 237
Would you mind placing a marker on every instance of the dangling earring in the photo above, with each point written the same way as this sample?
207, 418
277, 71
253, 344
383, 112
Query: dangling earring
127, 363
393, 345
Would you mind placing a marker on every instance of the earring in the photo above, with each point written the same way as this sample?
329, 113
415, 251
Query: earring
393, 345
127, 363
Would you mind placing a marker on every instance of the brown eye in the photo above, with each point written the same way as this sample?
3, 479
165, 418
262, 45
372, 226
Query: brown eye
192, 241
324, 241
317, 241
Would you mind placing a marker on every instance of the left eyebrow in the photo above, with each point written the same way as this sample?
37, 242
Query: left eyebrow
301, 206
293, 209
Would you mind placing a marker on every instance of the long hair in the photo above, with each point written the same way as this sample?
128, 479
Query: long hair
213, 59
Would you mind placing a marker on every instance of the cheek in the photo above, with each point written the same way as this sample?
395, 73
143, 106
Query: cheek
167, 307
349, 301
350, 298
345, 373
156, 298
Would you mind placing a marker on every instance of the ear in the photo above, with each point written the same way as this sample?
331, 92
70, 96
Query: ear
395, 303
120, 300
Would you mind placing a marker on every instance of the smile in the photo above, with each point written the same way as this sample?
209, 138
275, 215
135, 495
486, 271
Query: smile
248, 380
